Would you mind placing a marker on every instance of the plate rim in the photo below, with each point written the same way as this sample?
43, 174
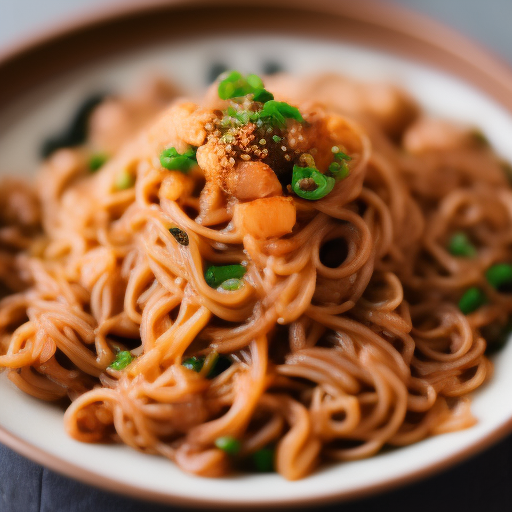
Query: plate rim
447, 47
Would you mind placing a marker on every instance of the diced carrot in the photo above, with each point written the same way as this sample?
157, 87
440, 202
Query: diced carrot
267, 217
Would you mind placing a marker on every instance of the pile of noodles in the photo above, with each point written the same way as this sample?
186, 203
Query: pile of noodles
346, 335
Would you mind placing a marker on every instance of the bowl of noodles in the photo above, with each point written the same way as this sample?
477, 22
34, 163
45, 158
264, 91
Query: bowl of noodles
280, 262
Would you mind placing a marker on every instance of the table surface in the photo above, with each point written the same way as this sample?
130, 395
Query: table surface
484, 482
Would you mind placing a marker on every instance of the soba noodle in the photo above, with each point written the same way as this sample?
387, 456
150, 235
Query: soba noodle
358, 322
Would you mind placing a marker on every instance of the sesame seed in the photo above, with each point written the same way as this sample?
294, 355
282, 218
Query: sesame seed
263, 142
245, 157
228, 148
232, 161
264, 152
283, 148
287, 157
335, 149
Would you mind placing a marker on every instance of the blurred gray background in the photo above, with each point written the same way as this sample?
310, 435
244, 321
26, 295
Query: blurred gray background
486, 21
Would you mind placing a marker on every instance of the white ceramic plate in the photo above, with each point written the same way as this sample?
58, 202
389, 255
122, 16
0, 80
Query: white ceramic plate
36, 429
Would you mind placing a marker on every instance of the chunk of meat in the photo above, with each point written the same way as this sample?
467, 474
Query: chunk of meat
252, 180
267, 217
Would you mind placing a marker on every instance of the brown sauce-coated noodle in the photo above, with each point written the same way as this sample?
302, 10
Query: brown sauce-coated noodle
346, 334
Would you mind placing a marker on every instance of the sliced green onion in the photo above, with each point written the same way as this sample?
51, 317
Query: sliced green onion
194, 363
174, 161
214, 364
229, 444
499, 275
460, 245
262, 96
122, 360
472, 299
124, 181
235, 85
339, 155
180, 236
264, 460
276, 138
215, 276
232, 284
96, 161
276, 113
303, 179
339, 171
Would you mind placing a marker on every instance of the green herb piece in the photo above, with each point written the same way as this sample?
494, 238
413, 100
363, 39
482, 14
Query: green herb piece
180, 236
214, 364
276, 113
124, 181
174, 161
122, 360
339, 155
310, 183
232, 284
339, 171
276, 139
229, 444
96, 161
215, 276
194, 363
499, 275
263, 460
262, 96
460, 245
235, 85
472, 299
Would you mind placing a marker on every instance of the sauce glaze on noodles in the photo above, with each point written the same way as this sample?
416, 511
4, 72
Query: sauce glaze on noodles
346, 335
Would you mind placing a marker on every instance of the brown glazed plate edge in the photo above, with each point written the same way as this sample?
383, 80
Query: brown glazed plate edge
375, 24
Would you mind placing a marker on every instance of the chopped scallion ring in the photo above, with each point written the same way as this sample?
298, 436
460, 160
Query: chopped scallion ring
460, 245
174, 161
472, 299
309, 183
499, 275
216, 275
229, 444
122, 360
